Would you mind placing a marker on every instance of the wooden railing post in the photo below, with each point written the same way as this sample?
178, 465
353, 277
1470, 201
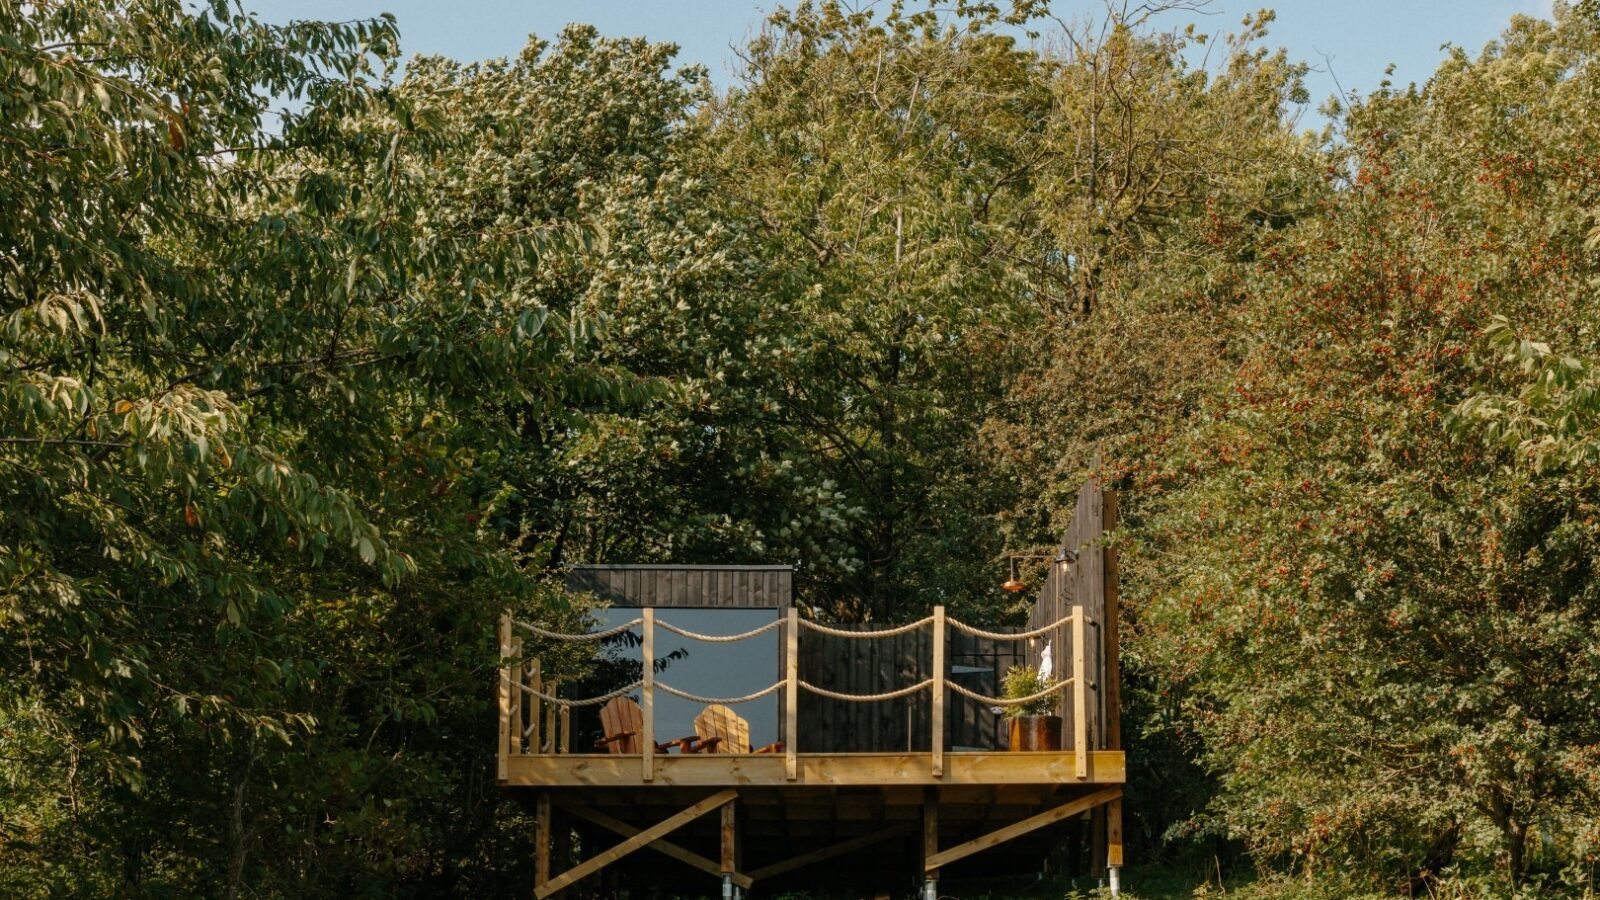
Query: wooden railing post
791, 694
1080, 694
551, 716
937, 744
519, 697
535, 681
502, 753
647, 736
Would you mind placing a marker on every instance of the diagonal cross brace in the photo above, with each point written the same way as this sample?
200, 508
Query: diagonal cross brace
688, 857
644, 838
1000, 836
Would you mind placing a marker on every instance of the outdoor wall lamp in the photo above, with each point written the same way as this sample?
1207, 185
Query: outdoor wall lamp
1014, 584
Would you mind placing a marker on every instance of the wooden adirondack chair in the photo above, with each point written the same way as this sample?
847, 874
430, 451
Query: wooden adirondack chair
623, 724
721, 730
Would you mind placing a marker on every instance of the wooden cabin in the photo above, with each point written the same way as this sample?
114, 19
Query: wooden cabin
859, 756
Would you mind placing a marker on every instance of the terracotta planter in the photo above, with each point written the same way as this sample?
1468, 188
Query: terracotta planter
1036, 733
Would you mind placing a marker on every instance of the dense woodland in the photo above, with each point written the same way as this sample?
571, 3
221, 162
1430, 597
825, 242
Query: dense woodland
313, 359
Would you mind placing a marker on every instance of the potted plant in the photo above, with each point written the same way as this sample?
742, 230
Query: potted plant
1032, 725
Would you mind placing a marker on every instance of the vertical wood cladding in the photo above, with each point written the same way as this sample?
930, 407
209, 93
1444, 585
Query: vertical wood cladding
703, 587
880, 665
1083, 582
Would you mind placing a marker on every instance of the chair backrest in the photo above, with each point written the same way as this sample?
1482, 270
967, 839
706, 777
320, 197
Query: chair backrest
721, 722
621, 715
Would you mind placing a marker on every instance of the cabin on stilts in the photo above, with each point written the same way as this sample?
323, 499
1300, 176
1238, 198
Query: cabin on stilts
728, 741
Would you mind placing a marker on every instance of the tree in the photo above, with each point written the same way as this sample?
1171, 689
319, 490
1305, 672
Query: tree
884, 162
1383, 627
248, 562
1166, 161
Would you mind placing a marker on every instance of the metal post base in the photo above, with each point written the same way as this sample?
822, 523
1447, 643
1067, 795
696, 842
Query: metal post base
930, 890
1115, 873
727, 887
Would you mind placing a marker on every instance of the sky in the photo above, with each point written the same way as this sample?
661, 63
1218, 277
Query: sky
712, 670
1349, 42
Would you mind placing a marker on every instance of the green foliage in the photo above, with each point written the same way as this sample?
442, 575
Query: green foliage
884, 164
294, 402
1552, 420
1382, 627
1025, 681
255, 448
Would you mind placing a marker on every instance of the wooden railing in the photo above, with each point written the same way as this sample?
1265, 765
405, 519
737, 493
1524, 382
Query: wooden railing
525, 698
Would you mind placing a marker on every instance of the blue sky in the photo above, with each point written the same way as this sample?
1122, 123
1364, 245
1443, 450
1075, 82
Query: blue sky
1350, 40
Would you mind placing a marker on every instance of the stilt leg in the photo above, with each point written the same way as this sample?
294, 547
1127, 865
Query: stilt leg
1097, 845
1114, 845
930, 842
730, 850
542, 840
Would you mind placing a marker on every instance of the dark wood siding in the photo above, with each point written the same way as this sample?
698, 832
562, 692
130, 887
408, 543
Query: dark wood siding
1082, 583
880, 665
726, 587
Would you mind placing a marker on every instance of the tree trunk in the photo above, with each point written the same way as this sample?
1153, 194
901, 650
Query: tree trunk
1515, 829
1516, 843
1440, 854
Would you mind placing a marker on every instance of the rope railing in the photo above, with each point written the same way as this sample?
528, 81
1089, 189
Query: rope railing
779, 685
574, 638
964, 628
865, 698
726, 701
880, 633
718, 638
513, 708
586, 701
1013, 701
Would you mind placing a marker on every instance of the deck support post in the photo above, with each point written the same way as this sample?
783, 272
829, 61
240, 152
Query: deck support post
936, 746
1097, 844
930, 843
543, 839
647, 694
1114, 834
730, 851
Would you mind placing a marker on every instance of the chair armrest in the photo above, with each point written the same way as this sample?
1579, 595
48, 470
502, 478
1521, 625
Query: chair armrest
613, 738
772, 748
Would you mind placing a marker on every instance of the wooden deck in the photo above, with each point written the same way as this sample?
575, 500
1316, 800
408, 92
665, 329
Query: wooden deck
781, 815
586, 770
